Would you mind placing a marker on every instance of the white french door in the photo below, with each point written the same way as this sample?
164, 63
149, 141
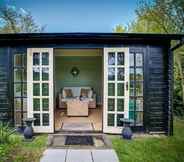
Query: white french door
116, 88
40, 88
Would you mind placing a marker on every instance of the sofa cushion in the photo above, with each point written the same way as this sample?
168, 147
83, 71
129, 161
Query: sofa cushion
84, 92
67, 93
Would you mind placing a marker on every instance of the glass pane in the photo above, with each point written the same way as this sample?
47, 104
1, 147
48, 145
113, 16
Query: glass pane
132, 89
139, 104
25, 104
139, 74
131, 115
131, 104
17, 75
111, 89
111, 73
121, 73
45, 89
131, 74
17, 104
139, 59
120, 104
45, 104
45, 58
110, 120
17, 90
37, 119
45, 118
111, 58
17, 60
24, 59
139, 89
36, 104
18, 118
120, 58
36, 89
36, 73
24, 89
120, 89
24, 75
131, 59
45, 73
119, 123
36, 58
139, 118
111, 104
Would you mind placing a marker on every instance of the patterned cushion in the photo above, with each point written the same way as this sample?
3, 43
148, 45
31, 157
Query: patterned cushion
84, 92
67, 93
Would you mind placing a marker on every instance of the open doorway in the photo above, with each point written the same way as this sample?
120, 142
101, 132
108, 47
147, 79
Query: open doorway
78, 89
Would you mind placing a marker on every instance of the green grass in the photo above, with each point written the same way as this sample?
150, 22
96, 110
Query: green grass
19, 151
152, 149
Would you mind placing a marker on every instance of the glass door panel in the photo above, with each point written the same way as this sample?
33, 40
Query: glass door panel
116, 88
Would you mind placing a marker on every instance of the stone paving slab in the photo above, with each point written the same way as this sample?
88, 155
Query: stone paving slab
54, 155
78, 156
108, 155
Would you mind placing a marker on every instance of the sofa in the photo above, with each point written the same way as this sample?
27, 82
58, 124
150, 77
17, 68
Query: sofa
82, 93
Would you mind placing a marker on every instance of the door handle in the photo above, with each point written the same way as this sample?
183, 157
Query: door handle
127, 86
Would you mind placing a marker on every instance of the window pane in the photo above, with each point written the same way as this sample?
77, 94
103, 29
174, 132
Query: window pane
139, 89
131, 104
37, 119
36, 89
120, 58
111, 104
111, 89
24, 104
17, 75
45, 73
139, 104
139, 74
24, 75
120, 104
36, 73
45, 118
139, 59
111, 58
17, 104
139, 118
45, 104
36, 58
119, 123
24, 59
17, 90
45, 89
110, 120
131, 115
24, 89
121, 73
45, 58
131, 74
131, 59
111, 73
120, 89
132, 88
36, 104
17, 60
18, 118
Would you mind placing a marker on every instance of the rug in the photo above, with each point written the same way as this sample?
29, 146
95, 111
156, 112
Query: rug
79, 140
77, 127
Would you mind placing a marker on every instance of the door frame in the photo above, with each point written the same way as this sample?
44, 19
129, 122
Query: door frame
40, 129
115, 129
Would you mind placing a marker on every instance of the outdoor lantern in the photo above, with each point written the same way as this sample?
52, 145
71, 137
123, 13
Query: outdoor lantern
75, 71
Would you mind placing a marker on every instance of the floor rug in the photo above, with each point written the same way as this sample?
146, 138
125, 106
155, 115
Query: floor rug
79, 140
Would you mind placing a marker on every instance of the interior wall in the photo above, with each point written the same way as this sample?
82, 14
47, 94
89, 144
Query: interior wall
89, 65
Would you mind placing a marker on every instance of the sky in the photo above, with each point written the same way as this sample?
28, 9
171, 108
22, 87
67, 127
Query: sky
78, 15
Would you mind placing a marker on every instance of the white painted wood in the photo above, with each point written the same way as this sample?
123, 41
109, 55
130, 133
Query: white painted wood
30, 51
115, 129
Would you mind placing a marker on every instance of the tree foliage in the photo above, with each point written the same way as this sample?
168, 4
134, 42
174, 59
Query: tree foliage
17, 21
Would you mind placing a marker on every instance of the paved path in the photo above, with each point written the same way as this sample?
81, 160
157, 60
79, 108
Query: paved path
79, 155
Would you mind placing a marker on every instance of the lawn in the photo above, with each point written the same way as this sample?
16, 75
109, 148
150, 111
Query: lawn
152, 149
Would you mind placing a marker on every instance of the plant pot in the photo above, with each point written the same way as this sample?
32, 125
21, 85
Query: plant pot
28, 131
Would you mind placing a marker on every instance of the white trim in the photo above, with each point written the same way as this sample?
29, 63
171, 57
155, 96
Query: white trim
115, 129
30, 51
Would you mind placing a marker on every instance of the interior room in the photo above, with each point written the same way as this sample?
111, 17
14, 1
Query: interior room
78, 81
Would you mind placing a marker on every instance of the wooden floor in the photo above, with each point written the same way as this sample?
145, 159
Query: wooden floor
95, 117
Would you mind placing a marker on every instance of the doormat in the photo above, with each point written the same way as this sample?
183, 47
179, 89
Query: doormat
77, 127
79, 140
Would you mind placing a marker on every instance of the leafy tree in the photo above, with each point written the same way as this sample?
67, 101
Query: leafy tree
120, 29
17, 21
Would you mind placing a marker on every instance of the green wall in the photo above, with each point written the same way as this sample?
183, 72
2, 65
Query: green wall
90, 73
